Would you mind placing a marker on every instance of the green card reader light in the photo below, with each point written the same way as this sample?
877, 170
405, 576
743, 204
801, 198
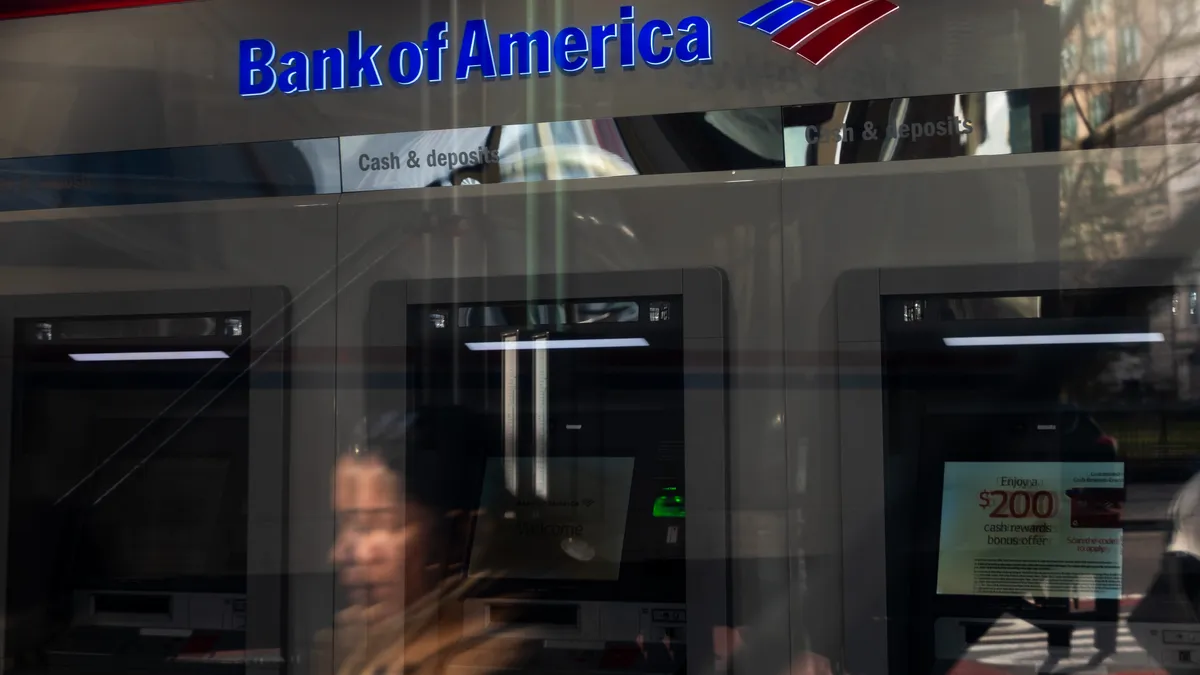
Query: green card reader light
669, 504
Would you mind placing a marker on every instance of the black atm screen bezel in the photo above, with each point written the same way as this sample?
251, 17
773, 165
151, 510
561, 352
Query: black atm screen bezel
878, 621
703, 297
628, 586
47, 361
913, 535
268, 337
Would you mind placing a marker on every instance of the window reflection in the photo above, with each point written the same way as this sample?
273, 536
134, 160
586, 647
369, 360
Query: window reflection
1048, 456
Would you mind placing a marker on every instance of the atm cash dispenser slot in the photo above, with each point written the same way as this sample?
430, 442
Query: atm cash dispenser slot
532, 614
532, 620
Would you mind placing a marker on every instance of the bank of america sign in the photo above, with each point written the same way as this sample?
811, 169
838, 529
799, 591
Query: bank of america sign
476, 51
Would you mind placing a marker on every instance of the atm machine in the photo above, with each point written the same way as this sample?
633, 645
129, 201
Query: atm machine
143, 438
602, 536
1012, 438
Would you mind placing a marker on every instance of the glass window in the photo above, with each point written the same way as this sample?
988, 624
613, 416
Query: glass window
425, 431
1070, 56
1097, 53
528, 137
1101, 108
565, 133
1069, 173
1129, 169
1133, 95
1130, 45
1070, 121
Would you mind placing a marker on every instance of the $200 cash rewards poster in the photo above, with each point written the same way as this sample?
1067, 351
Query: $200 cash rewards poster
1046, 529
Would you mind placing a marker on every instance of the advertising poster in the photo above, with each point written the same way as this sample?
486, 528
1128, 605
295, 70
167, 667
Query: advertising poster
1044, 529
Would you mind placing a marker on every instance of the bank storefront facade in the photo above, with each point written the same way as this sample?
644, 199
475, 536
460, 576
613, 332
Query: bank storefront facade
835, 337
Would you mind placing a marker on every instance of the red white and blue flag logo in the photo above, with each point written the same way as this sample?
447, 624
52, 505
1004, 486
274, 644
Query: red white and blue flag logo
20, 9
815, 29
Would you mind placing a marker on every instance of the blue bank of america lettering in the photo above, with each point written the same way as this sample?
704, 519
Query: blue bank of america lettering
656, 43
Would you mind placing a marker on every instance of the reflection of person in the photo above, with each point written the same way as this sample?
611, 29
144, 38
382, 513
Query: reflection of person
1079, 439
1174, 595
1082, 440
404, 496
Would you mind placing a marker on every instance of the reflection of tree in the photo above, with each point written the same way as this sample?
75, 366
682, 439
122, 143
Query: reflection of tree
1126, 84
1127, 122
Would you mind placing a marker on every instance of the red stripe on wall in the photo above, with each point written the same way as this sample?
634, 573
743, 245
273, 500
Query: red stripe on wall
20, 9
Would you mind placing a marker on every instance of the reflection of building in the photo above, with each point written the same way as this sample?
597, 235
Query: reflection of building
1180, 64
1185, 337
1112, 66
1119, 57
1112, 49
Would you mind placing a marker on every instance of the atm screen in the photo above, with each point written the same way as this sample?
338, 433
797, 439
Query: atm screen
1034, 446
582, 405
129, 460
576, 533
1031, 528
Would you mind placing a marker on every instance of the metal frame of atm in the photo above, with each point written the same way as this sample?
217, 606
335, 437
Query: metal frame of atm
705, 408
266, 564
862, 414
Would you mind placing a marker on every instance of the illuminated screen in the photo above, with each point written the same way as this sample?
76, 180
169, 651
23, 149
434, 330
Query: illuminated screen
1040, 529
575, 530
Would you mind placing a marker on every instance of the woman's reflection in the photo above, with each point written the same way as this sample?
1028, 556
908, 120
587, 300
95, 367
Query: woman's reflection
404, 496
376, 552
